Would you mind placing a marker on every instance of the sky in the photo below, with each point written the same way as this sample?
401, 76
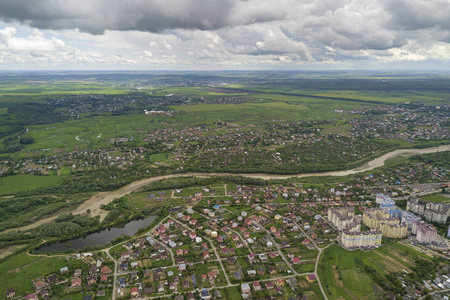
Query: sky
224, 34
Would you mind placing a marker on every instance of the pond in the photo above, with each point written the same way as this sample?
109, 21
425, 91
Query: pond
99, 238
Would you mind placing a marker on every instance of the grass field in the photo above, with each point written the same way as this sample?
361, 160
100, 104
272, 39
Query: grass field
18, 271
247, 113
436, 198
342, 278
20, 183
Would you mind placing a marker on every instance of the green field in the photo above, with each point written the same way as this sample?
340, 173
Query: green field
18, 271
436, 198
21, 183
341, 277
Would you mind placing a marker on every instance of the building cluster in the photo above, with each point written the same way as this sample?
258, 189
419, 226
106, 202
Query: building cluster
379, 218
425, 232
436, 212
341, 217
352, 236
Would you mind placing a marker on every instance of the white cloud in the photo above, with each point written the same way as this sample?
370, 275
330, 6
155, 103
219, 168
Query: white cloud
223, 33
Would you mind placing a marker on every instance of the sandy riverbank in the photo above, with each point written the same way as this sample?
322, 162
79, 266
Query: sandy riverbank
101, 198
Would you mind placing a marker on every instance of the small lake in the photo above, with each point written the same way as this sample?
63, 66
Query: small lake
100, 238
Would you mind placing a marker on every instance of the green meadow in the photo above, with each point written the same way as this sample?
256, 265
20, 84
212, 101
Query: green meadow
19, 270
341, 277
22, 183
436, 198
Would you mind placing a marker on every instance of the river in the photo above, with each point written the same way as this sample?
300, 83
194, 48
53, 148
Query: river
100, 238
94, 203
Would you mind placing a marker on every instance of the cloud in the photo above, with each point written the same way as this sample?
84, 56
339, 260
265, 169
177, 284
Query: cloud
96, 16
198, 33
36, 42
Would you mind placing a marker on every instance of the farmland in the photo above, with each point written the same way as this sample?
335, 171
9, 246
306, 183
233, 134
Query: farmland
342, 277
81, 152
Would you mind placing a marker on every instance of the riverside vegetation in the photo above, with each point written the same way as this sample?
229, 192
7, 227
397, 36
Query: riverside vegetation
66, 138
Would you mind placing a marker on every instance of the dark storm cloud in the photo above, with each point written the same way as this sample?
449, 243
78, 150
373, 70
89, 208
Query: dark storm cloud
96, 16
419, 14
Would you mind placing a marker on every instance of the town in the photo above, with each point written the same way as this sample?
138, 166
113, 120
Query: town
251, 241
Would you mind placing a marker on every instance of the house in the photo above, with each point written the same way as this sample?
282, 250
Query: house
147, 272
105, 270
126, 255
204, 294
91, 280
122, 282
245, 288
53, 279
44, 293
231, 260
217, 294
104, 278
64, 270
172, 286
186, 284
237, 275
212, 275
76, 282
10, 293
295, 260
190, 296
87, 297
293, 283
161, 287
31, 297
101, 294
256, 286
206, 255
38, 285
182, 267
260, 271
128, 246
270, 285
77, 273
133, 276
311, 278
93, 270
251, 258
280, 282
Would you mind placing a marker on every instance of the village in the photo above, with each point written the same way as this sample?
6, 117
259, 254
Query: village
248, 241
296, 147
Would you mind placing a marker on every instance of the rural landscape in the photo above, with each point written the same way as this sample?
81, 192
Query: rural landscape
224, 185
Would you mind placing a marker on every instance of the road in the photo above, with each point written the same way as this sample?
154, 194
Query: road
432, 293
115, 273
317, 259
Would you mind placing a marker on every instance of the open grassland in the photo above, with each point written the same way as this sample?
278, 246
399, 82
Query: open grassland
21, 183
341, 276
55, 88
18, 271
8, 250
196, 91
436, 198
249, 112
